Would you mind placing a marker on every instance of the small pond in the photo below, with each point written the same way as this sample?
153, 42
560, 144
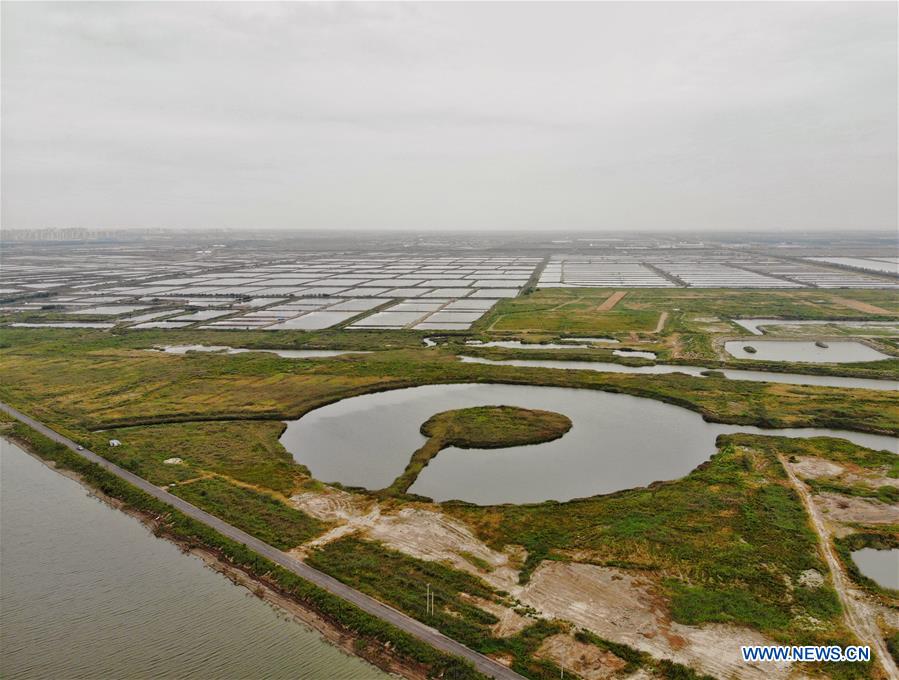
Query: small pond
757, 326
838, 352
368, 440
881, 566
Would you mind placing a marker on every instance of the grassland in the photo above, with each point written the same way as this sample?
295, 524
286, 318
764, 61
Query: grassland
259, 514
728, 543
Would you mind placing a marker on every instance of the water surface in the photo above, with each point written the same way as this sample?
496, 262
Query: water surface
286, 353
696, 371
368, 440
757, 326
881, 566
837, 352
88, 592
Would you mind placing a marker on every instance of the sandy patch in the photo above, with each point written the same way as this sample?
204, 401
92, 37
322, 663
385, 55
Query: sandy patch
588, 661
332, 505
861, 306
840, 508
432, 536
663, 317
611, 301
810, 467
510, 622
625, 608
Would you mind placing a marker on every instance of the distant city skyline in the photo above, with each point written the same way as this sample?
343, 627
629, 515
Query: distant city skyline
450, 116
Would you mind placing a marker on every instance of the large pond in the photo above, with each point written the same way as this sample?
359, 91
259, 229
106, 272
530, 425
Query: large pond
368, 440
286, 353
881, 566
757, 326
696, 371
839, 352
88, 592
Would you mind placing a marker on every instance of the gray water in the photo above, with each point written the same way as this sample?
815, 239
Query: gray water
617, 442
88, 592
697, 371
286, 353
756, 326
633, 353
881, 566
517, 344
838, 352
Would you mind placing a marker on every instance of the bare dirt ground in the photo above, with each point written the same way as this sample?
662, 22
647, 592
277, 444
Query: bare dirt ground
588, 661
839, 508
510, 621
861, 306
810, 467
611, 301
622, 607
615, 604
663, 317
861, 613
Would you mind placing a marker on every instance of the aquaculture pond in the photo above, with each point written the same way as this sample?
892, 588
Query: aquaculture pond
881, 566
286, 353
697, 371
367, 441
758, 326
89, 592
837, 352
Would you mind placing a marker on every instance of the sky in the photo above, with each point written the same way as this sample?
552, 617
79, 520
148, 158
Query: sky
463, 116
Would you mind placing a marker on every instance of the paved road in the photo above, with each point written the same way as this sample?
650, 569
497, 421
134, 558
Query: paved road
419, 630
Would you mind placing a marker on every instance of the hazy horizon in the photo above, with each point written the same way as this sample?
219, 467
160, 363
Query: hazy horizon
576, 117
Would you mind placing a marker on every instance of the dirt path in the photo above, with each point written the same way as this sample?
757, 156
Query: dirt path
861, 306
663, 317
861, 617
611, 301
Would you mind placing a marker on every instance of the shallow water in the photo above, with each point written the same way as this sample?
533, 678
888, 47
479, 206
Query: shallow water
286, 353
697, 371
368, 440
837, 352
517, 344
634, 353
89, 592
881, 566
756, 326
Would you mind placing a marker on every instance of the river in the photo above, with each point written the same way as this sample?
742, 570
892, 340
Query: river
87, 591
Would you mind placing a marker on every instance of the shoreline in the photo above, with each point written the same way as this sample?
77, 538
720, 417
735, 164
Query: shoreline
379, 655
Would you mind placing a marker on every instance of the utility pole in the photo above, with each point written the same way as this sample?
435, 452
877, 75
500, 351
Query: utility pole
428, 599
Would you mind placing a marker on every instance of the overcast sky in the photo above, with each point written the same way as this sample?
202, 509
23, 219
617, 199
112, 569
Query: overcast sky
450, 116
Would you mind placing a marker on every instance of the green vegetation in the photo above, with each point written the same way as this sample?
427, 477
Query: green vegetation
727, 543
480, 427
886, 538
715, 538
98, 385
403, 582
258, 514
635, 659
576, 310
247, 451
373, 631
